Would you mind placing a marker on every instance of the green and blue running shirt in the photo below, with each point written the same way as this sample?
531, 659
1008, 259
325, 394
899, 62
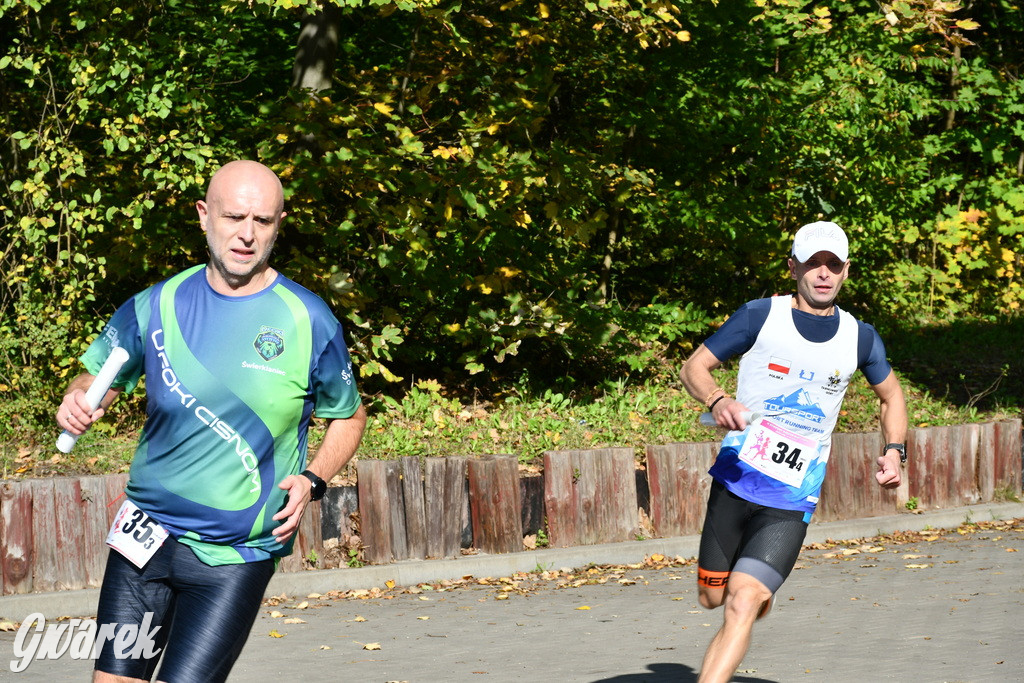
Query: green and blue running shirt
231, 384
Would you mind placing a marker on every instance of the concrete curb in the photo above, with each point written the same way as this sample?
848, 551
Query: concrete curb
406, 573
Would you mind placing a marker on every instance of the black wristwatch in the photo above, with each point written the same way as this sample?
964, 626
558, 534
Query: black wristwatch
319, 485
899, 448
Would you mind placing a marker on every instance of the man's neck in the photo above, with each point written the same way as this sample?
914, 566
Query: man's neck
230, 285
800, 304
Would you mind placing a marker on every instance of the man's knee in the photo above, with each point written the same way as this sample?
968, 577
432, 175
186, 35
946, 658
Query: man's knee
746, 597
710, 598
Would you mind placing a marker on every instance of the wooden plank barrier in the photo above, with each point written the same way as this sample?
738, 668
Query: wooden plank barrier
445, 500
677, 475
1007, 456
590, 496
16, 537
44, 524
374, 510
52, 530
308, 541
986, 465
94, 529
69, 532
495, 505
414, 509
937, 466
409, 510
850, 489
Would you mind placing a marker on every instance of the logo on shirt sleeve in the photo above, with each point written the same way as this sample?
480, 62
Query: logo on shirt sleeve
269, 343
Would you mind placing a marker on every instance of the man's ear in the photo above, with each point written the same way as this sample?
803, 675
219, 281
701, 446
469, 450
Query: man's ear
203, 212
792, 268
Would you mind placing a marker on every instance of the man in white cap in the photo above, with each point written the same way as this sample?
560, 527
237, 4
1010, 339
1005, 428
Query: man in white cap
798, 355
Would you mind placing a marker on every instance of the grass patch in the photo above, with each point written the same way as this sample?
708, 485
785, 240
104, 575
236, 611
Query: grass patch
952, 374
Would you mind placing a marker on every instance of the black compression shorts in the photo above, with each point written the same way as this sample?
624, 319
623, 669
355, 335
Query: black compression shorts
741, 536
204, 613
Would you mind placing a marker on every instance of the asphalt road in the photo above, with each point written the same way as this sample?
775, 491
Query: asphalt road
921, 605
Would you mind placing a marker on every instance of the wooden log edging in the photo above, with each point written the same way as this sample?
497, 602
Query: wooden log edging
590, 496
52, 530
679, 485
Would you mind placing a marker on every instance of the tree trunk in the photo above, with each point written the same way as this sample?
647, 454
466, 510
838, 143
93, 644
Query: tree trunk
314, 61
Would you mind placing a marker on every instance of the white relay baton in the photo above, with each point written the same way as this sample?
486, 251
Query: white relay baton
96, 391
708, 420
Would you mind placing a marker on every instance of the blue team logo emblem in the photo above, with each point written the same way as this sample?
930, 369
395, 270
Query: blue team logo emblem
798, 404
269, 343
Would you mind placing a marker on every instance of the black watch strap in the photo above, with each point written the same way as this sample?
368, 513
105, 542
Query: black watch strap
898, 447
319, 487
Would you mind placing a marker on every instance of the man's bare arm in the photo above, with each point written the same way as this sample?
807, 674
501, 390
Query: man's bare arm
698, 380
893, 419
339, 445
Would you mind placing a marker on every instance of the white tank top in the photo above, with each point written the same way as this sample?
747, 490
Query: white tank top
798, 386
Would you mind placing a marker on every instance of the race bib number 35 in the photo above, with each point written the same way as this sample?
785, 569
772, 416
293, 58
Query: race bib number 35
135, 534
777, 452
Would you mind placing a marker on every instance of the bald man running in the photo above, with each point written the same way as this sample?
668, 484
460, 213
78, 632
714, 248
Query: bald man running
238, 358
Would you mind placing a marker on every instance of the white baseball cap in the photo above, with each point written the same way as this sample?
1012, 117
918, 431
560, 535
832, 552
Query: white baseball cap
820, 236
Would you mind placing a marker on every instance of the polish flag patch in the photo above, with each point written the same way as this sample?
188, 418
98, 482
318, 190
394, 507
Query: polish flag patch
776, 364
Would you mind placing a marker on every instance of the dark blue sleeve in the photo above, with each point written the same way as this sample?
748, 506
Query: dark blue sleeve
739, 332
871, 354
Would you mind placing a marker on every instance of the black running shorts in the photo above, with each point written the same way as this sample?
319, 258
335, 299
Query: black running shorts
740, 536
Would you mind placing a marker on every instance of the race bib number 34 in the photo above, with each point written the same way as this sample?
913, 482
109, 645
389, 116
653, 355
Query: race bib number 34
135, 534
777, 452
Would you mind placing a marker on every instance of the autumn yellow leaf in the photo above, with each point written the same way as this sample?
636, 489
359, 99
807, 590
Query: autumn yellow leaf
275, 634
383, 108
294, 620
358, 618
390, 583
276, 615
371, 646
583, 607
302, 605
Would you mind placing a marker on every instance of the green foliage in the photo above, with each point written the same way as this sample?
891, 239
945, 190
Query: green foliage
509, 195
111, 118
